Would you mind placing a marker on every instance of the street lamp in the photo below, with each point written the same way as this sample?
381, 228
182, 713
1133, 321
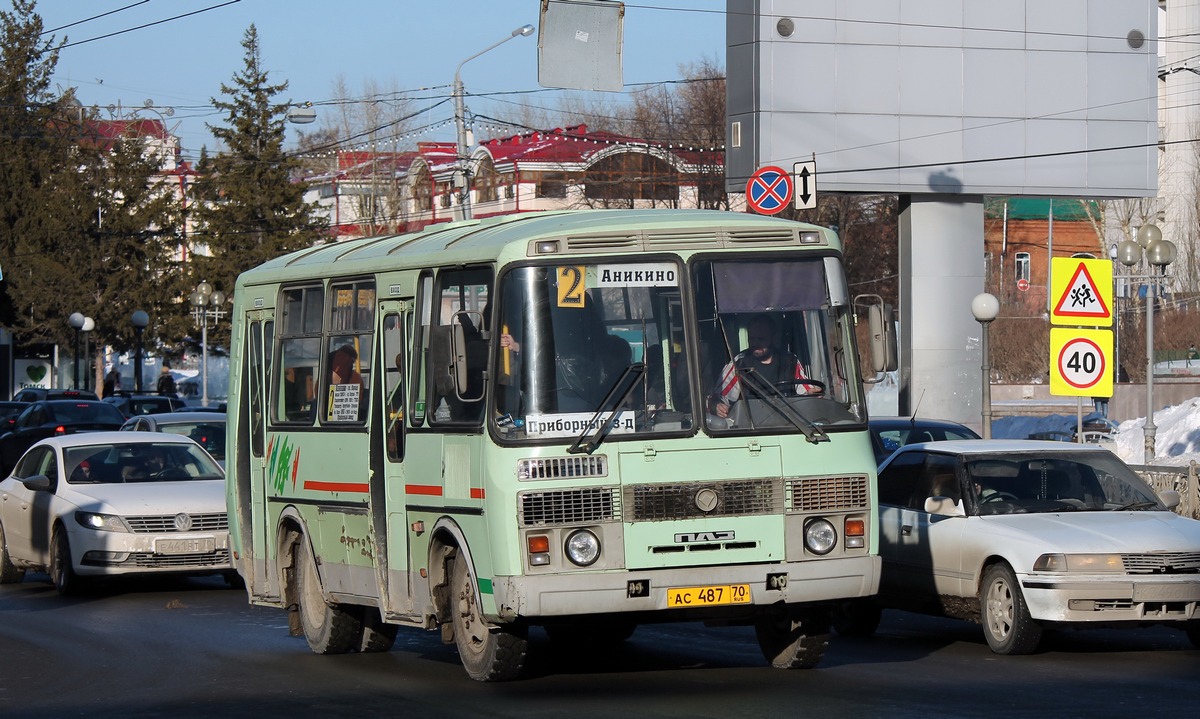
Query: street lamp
139, 319
76, 320
985, 307
1158, 253
201, 298
463, 174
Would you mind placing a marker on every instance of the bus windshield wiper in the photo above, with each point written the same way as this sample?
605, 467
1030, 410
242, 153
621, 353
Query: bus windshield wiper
596, 431
779, 403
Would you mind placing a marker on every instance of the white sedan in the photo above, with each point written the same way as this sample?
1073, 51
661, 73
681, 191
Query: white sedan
1023, 535
113, 503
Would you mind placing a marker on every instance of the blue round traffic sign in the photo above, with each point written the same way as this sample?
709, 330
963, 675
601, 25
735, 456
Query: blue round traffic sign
769, 190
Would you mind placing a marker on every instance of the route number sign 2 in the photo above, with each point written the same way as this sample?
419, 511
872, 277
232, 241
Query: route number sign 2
1080, 362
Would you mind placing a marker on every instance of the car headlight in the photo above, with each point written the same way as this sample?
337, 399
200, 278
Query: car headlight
101, 522
583, 548
1081, 563
819, 536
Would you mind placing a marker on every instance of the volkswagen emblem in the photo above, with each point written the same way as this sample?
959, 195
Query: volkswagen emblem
707, 499
183, 521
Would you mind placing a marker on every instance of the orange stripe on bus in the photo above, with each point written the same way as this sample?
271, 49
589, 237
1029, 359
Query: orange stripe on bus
423, 489
476, 492
337, 486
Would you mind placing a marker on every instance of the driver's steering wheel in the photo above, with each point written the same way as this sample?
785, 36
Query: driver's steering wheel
789, 384
999, 497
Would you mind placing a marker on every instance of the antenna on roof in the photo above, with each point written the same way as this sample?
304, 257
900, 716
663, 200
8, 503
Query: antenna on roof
913, 418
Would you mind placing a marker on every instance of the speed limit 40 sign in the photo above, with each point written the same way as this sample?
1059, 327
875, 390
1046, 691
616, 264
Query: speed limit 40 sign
1081, 362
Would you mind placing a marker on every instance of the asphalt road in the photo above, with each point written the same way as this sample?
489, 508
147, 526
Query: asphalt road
193, 648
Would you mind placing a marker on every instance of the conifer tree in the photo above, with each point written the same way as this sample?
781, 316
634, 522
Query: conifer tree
250, 210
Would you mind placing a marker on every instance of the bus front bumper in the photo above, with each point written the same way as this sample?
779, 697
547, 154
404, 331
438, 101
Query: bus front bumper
579, 593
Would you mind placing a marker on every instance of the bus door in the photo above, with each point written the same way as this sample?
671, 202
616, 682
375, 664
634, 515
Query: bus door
249, 474
389, 524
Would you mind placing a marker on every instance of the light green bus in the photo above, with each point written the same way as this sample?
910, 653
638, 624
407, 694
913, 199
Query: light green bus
580, 421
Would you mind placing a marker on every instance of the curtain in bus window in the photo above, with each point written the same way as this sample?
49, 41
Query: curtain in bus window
771, 286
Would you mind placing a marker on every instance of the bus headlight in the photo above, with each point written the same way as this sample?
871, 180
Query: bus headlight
819, 536
583, 548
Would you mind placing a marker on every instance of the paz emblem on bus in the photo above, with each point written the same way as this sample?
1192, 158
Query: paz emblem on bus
692, 537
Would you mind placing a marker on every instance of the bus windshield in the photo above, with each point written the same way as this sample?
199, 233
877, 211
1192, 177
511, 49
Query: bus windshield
604, 348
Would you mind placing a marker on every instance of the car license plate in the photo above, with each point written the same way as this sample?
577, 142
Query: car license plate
1189, 592
710, 596
192, 545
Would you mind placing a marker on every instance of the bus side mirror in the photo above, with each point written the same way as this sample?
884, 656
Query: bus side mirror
881, 325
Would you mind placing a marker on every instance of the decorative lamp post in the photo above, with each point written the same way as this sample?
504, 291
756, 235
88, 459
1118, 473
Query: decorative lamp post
89, 324
76, 320
1158, 253
202, 297
985, 307
463, 174
140, 320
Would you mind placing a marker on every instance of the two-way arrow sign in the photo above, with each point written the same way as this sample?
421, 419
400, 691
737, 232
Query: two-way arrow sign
806, 184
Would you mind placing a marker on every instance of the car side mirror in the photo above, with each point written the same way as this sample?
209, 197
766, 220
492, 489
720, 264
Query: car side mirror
1170, 498
943, 505
37, 483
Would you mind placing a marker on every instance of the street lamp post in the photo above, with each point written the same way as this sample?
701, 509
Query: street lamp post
139, 319
89, 324
202, 297
464, 173
985, 307
76, 320
1158, 253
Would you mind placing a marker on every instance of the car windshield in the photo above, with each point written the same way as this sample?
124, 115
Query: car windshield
117, 463
1069, 481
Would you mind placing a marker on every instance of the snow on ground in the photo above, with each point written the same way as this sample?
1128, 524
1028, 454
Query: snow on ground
1176, 435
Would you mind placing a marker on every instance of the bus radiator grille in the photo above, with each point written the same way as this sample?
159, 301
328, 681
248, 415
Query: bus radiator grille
570, 506
821, 494
663, 502
581, 467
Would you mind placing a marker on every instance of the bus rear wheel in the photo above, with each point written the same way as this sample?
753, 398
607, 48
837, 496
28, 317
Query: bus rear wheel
328, 628
792, 638
488, 654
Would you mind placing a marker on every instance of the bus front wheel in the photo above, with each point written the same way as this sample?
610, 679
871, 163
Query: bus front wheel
328, 628
488, 654
792, 638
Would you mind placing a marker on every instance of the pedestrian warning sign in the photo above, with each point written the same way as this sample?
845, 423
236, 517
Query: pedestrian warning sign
1082, 290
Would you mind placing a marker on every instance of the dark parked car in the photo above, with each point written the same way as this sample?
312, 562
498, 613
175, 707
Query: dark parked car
34, 394
891, 433
9, 412
139, 404
50, 418
206, 429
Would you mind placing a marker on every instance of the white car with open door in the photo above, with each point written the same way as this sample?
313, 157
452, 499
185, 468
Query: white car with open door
113, 503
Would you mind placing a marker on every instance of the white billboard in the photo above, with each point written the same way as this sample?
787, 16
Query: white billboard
1004, 97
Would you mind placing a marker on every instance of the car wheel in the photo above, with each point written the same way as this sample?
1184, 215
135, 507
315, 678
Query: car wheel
9, 572
856, 618
1006, 622
792, 639
488, 654
328, 628
62, 571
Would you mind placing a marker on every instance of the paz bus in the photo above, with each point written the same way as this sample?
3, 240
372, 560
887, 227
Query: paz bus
514, 422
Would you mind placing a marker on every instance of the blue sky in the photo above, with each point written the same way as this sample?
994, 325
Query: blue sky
410, 44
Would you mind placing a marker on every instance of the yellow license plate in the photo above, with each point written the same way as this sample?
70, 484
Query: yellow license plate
708, 596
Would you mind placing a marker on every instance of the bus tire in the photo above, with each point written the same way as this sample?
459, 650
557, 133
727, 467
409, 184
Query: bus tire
328, 628
377, 635
791, 638
488, 654
9, 572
